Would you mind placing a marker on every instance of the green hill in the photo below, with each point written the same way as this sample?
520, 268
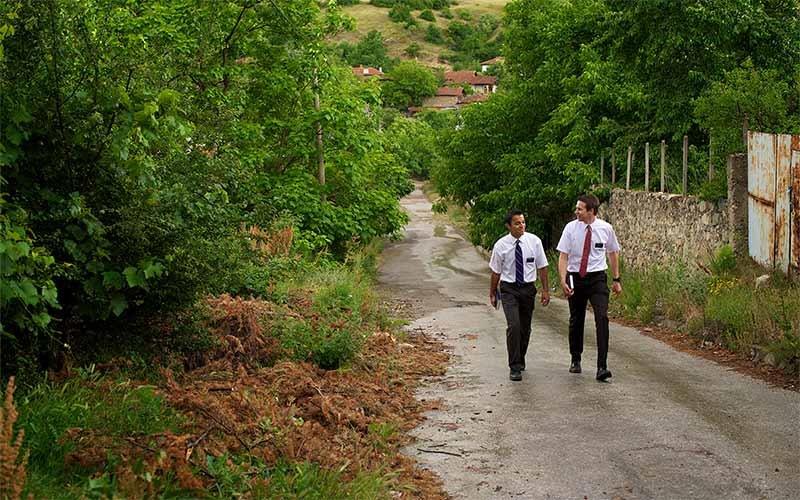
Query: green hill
398, 38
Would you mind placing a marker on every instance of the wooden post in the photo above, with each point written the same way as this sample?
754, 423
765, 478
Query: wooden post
685, 164
613, 166
602, 166
646, 167
663, 163
628, 174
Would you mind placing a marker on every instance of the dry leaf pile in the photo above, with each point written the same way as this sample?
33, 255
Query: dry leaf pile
238, 402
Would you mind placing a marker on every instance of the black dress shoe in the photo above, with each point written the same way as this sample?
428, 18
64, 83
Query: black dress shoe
603, 374
575, 367
515, 375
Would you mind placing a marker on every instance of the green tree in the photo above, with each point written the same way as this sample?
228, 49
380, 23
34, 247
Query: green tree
408, 83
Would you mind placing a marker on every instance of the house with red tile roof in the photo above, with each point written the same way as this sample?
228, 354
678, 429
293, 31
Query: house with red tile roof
367, 72
483, 84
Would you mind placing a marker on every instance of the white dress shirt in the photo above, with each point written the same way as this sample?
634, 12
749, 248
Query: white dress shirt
604, 241
503, 261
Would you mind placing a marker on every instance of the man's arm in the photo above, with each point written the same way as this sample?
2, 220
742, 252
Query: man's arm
613, 261
545, 286
493, 289
563, 258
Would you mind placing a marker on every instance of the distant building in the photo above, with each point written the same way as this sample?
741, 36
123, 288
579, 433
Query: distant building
482, 84
368, 72
445, 98
489, 63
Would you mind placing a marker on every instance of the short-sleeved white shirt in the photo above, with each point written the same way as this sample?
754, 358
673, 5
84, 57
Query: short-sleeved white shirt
604, 241
503, 260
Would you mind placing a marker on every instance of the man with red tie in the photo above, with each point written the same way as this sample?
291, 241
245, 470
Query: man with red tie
516, 259
583, 248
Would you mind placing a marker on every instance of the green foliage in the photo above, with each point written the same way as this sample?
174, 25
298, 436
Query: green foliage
427, 15
746, 97
88, 401
27, 292
369, 51
401, 14
724, 260
413, 50
140, 138
786, 351
409, 82
307, 480
413, 143
588, 76
434, 34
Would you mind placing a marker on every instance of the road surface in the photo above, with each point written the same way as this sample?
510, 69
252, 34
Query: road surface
667, 426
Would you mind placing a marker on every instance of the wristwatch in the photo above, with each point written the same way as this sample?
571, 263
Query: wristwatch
618, 280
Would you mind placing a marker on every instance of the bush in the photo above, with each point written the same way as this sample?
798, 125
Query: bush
402, 14
427, 15
724, 261
434, 35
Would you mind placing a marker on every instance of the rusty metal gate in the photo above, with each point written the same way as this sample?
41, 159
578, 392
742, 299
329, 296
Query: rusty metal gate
773, 206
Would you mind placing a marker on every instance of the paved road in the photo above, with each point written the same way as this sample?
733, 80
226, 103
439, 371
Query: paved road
668, 425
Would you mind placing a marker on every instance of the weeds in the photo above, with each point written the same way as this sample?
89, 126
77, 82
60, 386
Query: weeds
723, 306
13, 464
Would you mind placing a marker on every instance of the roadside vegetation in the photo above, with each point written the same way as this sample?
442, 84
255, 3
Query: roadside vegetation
720, 304
187, 305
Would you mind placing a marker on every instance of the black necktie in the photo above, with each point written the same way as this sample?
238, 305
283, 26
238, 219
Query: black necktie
520, 265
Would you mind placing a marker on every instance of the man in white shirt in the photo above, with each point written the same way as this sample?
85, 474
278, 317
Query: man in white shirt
584, 245
516, 259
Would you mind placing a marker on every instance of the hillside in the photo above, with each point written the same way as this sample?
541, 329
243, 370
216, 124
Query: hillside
397, 37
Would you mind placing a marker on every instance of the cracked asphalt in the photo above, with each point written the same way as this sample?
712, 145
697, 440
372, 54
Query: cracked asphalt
666, 426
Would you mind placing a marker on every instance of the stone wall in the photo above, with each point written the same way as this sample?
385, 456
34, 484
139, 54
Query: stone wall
662, 229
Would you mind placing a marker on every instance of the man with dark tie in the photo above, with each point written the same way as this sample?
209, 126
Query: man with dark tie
516, 259
583, 248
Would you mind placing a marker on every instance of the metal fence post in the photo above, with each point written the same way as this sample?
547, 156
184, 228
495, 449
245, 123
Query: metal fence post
685, 164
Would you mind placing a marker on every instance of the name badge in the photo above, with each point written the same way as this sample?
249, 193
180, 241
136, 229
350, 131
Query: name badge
529, 259
599, 245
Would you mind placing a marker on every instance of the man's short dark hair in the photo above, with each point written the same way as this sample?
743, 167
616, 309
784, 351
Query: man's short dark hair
591, 202
510, 215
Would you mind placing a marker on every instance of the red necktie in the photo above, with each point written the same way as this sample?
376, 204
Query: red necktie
587, 246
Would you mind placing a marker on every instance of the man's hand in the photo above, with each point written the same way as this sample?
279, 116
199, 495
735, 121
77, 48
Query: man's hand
566, 289
493, 299
616, 287
545, 297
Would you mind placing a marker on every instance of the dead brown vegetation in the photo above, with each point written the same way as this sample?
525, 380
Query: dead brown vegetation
12, 466
238, 402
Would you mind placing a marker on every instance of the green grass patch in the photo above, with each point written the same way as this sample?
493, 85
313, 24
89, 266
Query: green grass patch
724, 306
116, 408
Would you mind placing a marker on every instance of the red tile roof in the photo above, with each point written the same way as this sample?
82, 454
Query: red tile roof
470, 77
367, 71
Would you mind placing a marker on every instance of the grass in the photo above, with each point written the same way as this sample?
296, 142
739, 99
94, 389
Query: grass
92, 416
723, 306
368, 18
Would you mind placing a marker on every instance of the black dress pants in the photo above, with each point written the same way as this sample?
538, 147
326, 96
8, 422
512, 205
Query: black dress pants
518, 304
591, 288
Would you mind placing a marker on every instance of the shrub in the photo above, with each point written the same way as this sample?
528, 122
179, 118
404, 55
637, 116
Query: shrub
427, 15
434, 35
402, 14
724, 260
